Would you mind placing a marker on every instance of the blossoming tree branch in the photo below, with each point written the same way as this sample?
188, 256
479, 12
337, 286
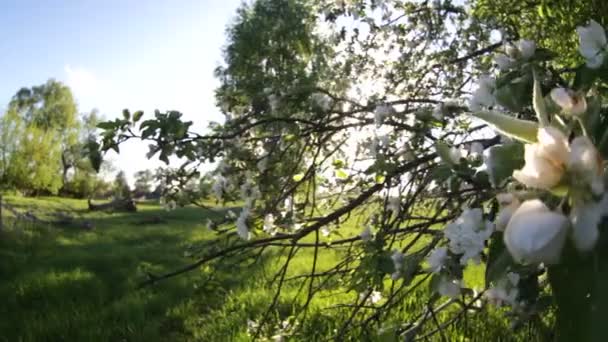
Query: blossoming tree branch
443, 150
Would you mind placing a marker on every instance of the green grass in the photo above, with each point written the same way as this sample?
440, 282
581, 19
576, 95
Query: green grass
70, 284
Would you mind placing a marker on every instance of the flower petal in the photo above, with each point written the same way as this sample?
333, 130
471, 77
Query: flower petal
535, 234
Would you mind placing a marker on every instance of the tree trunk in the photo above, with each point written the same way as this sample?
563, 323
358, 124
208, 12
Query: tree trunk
580, 286
115, 205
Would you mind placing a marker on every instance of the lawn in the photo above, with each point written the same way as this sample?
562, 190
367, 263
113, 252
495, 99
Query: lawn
73, 284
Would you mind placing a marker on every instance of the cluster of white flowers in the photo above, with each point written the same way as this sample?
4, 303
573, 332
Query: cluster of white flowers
274, 101
593, 45
523, 49
437, 259
398, 261
438, 111
449, 287
476, 150
547, 162
167, 205
262, 163
467, 235
249, 193
322, 101
570, 102
394, 204
505, 292
370, 296
483, 97
456, 153
367, 234
231, 215
269, 226
219, 186
381, 112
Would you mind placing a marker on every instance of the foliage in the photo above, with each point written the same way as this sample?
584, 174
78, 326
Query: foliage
45, 145
368, 109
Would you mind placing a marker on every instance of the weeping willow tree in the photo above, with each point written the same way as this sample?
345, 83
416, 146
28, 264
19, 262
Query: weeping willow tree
443, 142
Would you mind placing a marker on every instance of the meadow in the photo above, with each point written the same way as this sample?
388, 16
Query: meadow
73, 284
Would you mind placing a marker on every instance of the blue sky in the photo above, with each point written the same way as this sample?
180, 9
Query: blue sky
115, 54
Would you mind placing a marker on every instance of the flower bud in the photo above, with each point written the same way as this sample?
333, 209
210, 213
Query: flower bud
570, 102
545, 160
526, 48
586, 164
592, 43
536, 234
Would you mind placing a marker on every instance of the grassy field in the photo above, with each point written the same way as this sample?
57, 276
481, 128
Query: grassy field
72, 284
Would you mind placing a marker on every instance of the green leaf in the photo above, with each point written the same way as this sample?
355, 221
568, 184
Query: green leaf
443, 150
584, 78
298, 177
515, 95
341, 174
441, 173
126, 114
522, 130
538, 102
137, 115
380, 178
106, 125
503, 160
338, 163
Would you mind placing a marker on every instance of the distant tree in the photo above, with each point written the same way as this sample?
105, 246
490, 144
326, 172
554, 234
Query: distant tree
39, 133
51, 108
143, 183
121, 186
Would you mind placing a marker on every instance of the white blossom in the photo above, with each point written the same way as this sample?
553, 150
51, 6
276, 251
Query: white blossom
394, 204
398, 259
526, 48
262, 163
536, 234
437, 259
585, 219
325, 231
218, 186
483, 97
269, 226
381, 112
503, 61
585, 163
366, 235
373, 297
273, 101
449, 287
505, 292
569, 101
476, 149
592, 43
467, 235
241, 224
438, 111
456, 153
231, 215
545, 160
322, 101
